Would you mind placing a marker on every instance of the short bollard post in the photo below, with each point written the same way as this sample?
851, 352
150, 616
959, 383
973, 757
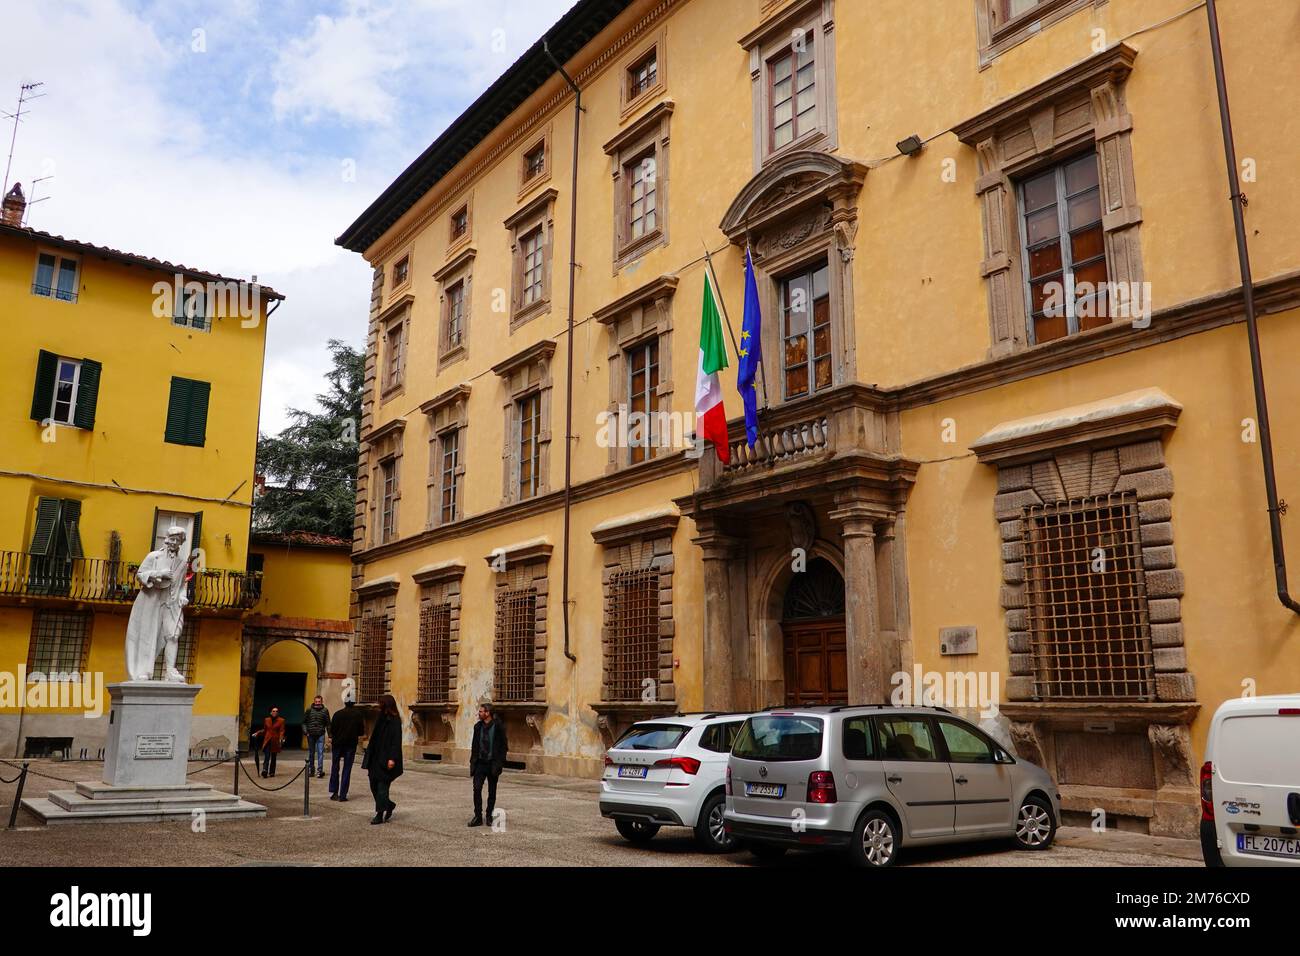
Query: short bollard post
306, 788
236, 773
18, 797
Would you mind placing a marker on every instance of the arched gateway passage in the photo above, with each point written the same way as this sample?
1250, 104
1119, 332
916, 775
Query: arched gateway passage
814, 637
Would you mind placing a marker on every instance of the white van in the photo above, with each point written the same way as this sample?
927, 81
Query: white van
1250, 784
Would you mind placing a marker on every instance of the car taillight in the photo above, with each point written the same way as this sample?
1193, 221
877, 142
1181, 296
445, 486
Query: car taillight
1289, 712
608, 761
688, 765
1207, 793
728, 781
821, 787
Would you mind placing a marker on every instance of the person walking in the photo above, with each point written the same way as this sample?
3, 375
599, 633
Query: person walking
272, 734
383, 759
315, 723
486, 761
346, 727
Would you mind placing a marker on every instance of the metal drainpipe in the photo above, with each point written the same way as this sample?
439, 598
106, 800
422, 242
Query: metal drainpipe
568, 385
1275, 508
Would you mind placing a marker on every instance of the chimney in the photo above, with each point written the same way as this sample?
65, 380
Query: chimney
15, 205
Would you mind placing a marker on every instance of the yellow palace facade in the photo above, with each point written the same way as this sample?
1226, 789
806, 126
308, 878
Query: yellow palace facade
1009, 442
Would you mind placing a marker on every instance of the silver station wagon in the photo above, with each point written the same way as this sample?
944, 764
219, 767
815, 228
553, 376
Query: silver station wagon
875, 779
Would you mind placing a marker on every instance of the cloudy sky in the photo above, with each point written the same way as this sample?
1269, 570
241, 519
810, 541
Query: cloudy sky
242, 136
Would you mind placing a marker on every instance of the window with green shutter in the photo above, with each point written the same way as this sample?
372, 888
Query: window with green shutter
66, 390
187, 412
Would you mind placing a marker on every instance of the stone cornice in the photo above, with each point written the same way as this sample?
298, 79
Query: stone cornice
539, 350
1112, 64
462, 258
379, 587
787, 185
455, 393
437, 573
616, 531
641, 126
1121, 419
1100, 710
656, 289
395, 308
380, 432
537, 204
538, 549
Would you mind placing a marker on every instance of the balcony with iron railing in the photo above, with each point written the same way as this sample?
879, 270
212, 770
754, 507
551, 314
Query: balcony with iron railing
98, 580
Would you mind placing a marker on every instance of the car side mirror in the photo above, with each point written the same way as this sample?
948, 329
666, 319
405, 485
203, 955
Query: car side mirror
1001, 756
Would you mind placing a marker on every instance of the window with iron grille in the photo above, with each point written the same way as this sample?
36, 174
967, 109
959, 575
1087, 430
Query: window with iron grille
435, 652
186, 653
528, 412
632, 620
60, 642
1086, 589
516, 630
450, 453
373, 659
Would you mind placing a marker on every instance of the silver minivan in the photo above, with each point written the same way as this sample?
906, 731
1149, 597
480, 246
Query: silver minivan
873, 779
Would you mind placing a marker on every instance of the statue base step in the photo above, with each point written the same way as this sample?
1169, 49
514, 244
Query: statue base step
104, 803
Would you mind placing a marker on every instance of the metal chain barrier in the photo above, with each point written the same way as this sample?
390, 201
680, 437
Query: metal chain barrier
209, 766
254, 782
37, 773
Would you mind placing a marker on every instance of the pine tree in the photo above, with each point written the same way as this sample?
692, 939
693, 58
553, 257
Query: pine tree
310, 468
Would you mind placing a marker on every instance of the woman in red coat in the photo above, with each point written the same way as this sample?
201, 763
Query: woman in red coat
272, 734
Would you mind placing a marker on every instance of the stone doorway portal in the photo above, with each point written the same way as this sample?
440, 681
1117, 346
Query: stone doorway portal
814, 637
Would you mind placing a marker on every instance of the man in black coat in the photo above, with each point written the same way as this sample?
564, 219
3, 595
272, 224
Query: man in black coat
487, 758
346, 727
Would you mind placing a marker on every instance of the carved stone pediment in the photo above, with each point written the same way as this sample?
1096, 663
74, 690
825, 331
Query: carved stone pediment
801, 191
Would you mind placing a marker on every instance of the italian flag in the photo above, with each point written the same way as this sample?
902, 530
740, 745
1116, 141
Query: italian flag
711, 417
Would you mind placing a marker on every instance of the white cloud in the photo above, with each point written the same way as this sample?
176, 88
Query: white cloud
342, 67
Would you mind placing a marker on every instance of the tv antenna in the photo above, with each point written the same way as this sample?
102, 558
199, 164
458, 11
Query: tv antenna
26, 93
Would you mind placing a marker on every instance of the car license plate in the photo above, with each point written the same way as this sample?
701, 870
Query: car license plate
765, 790
1262, 845
637, 773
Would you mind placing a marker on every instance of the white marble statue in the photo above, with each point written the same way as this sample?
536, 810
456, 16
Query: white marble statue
157, 614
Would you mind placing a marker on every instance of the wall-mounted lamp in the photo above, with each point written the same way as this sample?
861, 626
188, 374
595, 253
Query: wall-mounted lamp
911, 146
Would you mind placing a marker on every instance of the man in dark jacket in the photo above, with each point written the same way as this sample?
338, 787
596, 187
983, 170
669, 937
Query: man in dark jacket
345, 729
487, 758
315, 723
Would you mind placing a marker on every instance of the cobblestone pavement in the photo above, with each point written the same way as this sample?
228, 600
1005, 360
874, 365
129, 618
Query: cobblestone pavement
549, 821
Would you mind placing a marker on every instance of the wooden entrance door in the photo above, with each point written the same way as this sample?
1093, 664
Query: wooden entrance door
816, 662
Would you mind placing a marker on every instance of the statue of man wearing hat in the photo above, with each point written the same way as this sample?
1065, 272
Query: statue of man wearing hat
157, 614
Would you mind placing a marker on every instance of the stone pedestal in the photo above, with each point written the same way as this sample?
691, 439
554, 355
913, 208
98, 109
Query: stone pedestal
145, 762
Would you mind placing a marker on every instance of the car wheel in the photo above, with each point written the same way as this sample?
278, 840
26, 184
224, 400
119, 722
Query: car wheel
709, 831
875, 840
637, 831
767, 852
1035, 828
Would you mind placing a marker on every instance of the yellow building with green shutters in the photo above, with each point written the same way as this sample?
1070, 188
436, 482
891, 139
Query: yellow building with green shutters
131, 395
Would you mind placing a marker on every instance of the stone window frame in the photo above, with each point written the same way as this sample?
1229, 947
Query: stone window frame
769, 39
1111, 446
405, 256
454, 242
441, 584
460, 270
633, 320
994, 40
657, 43
633, 544
517, 567
1079, 108
394, 319
384, 444
650, 134
447, 412
798, 211
523, 374
542, 139
376, 599
538, 213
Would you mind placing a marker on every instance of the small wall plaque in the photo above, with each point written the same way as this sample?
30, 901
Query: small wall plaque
154, 746
957, 640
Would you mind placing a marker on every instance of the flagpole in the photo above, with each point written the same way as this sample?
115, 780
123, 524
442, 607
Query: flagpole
708, 259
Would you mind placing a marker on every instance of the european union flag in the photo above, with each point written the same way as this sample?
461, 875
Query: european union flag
751, 351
